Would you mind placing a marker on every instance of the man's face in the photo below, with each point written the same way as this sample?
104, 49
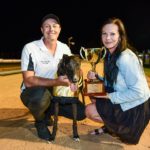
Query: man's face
50, 29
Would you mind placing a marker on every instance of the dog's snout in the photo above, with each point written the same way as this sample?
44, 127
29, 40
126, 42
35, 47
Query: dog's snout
75, 81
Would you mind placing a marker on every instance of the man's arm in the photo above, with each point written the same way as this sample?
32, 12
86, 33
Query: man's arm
30, 80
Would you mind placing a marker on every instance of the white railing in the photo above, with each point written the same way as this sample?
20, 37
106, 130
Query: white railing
10, 60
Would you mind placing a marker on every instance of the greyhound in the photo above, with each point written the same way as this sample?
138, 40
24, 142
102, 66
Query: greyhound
69, 66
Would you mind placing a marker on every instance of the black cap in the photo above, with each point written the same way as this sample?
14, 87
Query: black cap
50, 16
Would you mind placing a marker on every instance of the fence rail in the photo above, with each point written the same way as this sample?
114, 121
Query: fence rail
10, 66
10, 61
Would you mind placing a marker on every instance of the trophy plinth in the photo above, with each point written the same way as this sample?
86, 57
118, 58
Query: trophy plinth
93, 87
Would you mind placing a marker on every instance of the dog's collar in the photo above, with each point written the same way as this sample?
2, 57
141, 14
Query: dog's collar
80, 82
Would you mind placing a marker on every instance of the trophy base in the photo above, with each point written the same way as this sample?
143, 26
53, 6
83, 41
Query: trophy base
94, 88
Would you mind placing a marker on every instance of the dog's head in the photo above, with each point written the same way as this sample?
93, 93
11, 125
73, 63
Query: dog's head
70, 66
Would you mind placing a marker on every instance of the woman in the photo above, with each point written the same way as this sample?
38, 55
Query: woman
125, 108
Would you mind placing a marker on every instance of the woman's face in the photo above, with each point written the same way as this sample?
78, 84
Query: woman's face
110, 36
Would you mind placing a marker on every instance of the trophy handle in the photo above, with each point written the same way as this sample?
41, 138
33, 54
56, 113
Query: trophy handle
100, 56
101, 53
103, 49
82, 49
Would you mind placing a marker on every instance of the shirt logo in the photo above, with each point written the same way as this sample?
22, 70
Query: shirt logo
45, 61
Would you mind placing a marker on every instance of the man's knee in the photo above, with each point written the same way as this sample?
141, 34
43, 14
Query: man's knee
36, 97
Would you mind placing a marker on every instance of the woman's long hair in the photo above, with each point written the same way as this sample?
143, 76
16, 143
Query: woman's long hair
110, 67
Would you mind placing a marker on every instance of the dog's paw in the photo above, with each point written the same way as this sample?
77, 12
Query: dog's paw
49, 142
51, 139
77, 139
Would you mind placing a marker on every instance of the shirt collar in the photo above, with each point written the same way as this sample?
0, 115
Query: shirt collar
42, 45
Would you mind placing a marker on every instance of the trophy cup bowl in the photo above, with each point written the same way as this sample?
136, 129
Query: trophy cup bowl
93, 56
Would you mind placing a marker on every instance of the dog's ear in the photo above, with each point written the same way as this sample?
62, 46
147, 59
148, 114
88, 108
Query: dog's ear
65, 56
60, 69
66, 59
78, 59
62, 65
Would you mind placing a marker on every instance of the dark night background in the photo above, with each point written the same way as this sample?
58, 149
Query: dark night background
20, 22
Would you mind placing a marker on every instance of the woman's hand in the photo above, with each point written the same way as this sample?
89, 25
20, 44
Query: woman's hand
103, 96
93, 100
91, 75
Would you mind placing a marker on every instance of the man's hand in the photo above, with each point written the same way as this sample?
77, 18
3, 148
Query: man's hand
63, 80
73, 87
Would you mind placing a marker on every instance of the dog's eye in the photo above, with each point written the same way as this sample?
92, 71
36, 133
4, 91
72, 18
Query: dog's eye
70, 75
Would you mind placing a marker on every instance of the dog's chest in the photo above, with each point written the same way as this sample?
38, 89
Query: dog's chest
63, 91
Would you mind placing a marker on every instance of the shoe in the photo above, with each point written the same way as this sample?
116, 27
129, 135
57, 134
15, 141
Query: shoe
100, 131
49, 121
42, 130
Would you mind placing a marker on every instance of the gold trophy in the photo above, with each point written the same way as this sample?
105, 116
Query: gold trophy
93, 56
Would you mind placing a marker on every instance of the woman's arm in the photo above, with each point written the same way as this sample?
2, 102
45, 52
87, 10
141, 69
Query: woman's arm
131, 85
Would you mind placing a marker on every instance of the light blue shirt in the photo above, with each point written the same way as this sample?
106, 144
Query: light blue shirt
131, 87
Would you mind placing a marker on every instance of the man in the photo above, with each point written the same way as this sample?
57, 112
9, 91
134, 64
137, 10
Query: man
39, 62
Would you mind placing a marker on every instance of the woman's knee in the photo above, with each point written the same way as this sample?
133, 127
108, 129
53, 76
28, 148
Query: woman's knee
91, 112
88, 110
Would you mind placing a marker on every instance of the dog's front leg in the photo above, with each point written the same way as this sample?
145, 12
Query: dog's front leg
75, 131
56, 105
83, 99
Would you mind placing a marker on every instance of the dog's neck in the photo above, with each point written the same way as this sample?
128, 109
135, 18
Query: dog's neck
65, 91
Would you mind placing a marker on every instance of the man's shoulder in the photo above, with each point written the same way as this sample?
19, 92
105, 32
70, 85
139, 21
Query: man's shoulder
59, 43
31, 47
33, 43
